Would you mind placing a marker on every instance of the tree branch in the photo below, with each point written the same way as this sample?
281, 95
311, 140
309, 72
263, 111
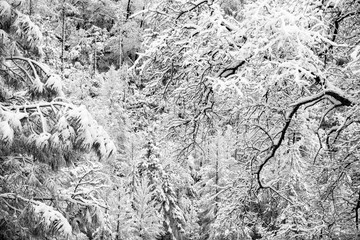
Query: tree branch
334, 93
231, 69
190, 9
40, 105
31, 62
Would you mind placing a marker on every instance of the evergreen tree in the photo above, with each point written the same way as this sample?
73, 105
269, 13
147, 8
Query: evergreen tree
40, 133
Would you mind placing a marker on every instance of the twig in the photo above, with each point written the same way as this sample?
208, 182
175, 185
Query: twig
192, 8
326, 113
82, 178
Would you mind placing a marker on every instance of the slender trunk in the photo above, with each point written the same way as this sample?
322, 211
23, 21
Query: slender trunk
63, 38
142, 18
94, 67
118, 222
120, 37
132, 156
357, 214
216, 177
120, 47
128, 10
30, 7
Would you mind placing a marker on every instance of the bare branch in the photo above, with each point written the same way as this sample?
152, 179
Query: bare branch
339, 96
192, 8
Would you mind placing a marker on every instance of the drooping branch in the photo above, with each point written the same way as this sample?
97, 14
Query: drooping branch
334, 93
71, 130
29, 61
17, 74
326, 113
35, 107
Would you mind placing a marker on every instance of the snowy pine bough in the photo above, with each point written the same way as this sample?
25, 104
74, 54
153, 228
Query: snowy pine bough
40, 132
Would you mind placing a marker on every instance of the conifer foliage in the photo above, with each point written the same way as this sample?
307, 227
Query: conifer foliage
40, 132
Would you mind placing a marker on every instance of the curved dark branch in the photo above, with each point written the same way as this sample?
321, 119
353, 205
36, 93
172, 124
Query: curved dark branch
326, 113
192, 8
344, 101
357, 213
31, 62
231, 69
350, 14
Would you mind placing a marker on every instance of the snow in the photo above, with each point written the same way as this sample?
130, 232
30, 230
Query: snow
52, 220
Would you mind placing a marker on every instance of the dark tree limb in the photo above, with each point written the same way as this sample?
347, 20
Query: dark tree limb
231, 69
334, 93
192, 8
357, 213
128, 10
326, 113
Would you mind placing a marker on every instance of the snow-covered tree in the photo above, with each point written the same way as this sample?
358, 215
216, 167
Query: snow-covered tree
283, 75
40, 133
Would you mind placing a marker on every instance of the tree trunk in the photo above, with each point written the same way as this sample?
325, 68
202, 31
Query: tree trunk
30, 7
94, 67
142, 18
120, 47
216, 177
128, 10
118, 224
63, 37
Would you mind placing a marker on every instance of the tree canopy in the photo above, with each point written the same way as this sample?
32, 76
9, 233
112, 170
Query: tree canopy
283, 76
181, 119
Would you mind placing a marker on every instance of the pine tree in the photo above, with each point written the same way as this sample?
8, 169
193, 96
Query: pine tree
40, 133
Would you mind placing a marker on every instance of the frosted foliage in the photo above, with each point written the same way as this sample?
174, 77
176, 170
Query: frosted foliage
89, 134
74, 131
50, 220
284, 75
6, 133
146, 220
28, 31
5, 10
14, 119
44, 138
54, 83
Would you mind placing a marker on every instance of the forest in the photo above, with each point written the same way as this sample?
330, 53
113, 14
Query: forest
179, 119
